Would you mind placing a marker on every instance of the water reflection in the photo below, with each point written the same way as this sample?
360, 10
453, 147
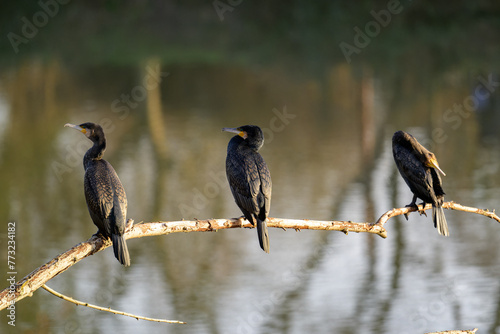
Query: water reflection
330, 158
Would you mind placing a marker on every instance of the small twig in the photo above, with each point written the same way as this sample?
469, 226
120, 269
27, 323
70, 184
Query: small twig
77, 302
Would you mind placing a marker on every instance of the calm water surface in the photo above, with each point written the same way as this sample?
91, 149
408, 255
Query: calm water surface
328, 147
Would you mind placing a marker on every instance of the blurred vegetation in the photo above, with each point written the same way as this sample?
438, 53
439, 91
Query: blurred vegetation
255, 32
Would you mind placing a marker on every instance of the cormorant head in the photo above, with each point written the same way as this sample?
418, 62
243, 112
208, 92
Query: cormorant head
251, 134
92, 131
428, 158
431, 161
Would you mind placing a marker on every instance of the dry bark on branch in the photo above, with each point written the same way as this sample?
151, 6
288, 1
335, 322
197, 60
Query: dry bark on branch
38, 277
446, 205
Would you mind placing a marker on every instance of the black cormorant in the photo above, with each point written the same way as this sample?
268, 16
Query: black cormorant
418, 166
106, 198
249, 178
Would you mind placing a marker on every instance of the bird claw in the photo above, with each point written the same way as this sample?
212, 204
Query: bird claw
418, 207
421, 211
411, 205
243, 218
99, 235
129, 225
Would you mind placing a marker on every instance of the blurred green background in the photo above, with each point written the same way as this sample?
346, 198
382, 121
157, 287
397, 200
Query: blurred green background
163, 78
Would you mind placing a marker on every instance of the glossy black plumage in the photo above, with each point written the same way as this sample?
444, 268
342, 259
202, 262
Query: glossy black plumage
419, 168
104, 193
249, 178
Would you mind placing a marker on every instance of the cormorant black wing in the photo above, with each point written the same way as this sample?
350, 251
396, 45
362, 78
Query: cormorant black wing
106, 198
244, 180
437, 184
413, 172
265, 187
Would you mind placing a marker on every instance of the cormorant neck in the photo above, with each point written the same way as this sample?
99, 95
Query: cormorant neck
234, 143
95, 152
254, 144
237, 141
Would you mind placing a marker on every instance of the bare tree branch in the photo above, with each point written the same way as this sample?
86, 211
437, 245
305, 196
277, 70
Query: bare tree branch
446, 205
77, 302
37, 278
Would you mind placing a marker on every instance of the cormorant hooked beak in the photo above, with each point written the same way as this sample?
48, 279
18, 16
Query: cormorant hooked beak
238, 131
77, 127
434, 164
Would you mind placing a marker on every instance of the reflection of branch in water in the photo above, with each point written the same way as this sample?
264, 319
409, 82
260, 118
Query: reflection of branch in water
386, 305
284, 311
495, 325
299, 277
368, 143
154, 111
187, 290
372, 146
158, 133
367, 287
368, 127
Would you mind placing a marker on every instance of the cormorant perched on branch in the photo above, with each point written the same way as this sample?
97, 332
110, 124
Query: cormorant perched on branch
418, 166
249, 178
106, 198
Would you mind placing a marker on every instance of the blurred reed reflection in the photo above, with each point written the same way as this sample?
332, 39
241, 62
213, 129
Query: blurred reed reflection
328, 149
